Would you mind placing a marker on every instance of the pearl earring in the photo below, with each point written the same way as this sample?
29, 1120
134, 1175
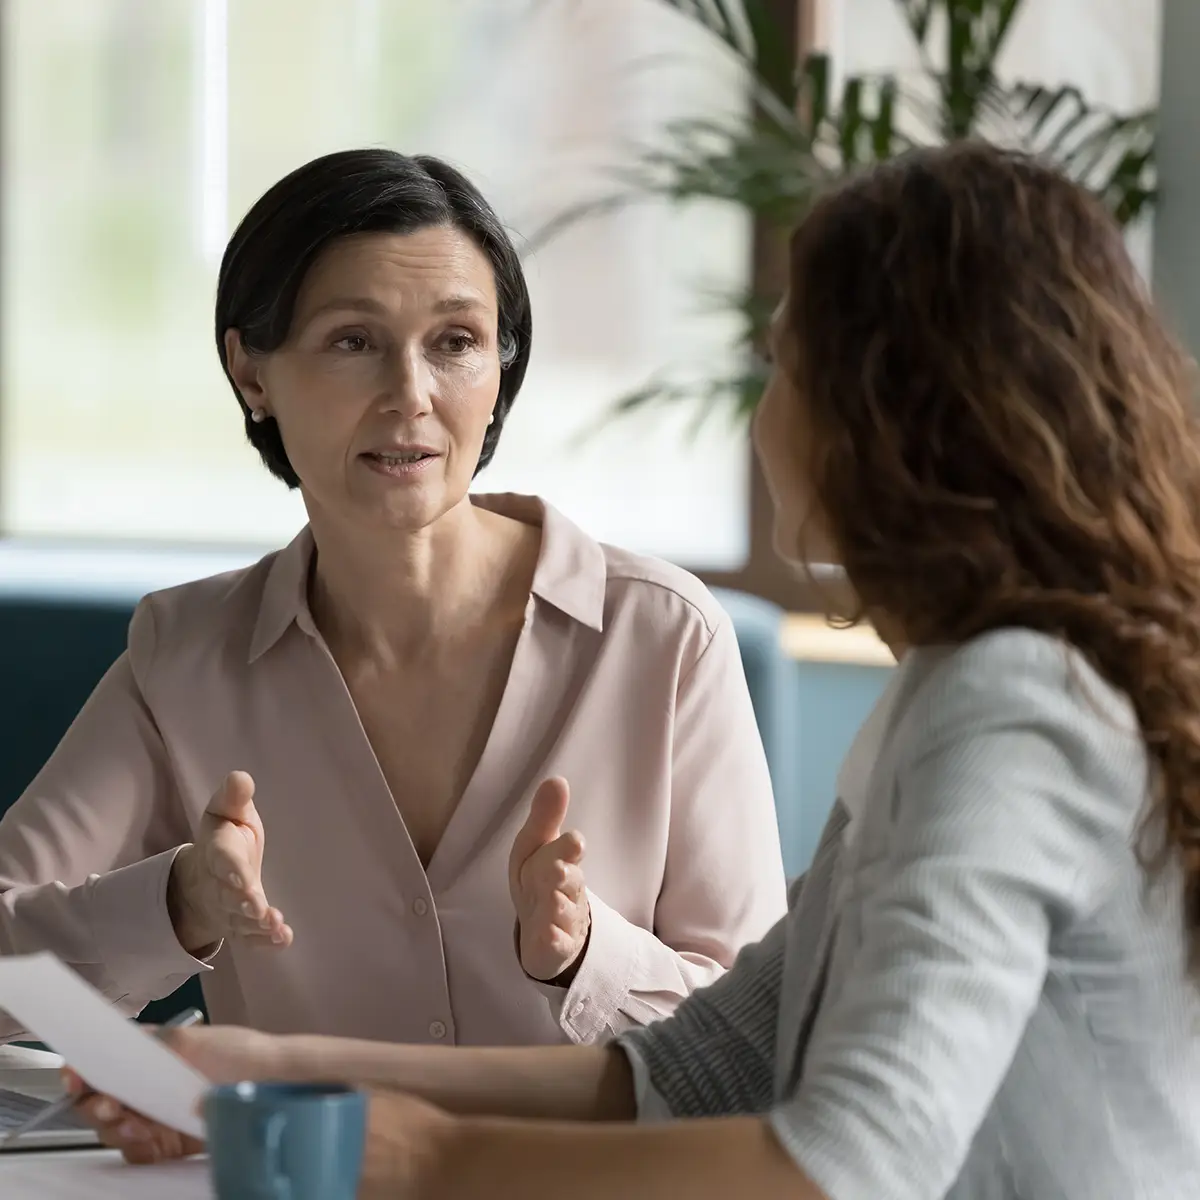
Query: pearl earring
492, 419
258, 415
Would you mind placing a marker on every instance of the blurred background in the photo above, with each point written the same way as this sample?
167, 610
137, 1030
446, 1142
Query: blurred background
648, 155
138, 131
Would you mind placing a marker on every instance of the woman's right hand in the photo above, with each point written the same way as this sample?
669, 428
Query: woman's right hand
222, 1054
215, 890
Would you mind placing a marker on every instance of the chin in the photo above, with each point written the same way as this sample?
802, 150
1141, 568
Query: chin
417, 513
419, 509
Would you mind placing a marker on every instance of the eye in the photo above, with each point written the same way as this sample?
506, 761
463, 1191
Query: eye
352, 343
458, 341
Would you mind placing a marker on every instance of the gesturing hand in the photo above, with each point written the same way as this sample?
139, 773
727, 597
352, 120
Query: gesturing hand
216, 890
546, 882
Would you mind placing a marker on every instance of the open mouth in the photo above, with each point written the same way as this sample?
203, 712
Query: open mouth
400, 464
393, 460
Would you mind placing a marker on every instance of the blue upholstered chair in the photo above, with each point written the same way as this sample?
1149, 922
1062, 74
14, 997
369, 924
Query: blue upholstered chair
53, 650
774, 690
808, 713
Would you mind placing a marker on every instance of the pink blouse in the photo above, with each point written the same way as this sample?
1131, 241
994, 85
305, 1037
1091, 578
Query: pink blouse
626, 680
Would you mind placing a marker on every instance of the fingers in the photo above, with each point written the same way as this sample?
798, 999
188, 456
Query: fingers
569, 847
242, 907
557, 928
232, 853
557, 904
555, 909
554, 926
271, 929
139, 1140
232, 863
547, 811
551, 870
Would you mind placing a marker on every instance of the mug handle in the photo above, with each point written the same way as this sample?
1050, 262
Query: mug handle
272, 1140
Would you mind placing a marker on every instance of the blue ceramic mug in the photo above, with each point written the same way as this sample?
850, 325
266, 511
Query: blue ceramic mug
285, 1141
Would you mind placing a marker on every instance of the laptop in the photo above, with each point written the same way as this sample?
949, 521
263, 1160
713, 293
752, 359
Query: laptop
65, 1132
29, 1083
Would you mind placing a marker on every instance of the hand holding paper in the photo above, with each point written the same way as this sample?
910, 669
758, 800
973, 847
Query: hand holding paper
106, 1049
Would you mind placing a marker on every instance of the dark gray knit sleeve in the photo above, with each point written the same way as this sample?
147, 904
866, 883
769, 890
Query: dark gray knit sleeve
716, 1055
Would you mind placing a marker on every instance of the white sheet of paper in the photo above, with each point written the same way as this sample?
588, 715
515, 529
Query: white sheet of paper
107, 1049
100, 1175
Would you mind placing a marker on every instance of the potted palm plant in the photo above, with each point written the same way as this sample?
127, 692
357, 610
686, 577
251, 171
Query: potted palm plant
799, 136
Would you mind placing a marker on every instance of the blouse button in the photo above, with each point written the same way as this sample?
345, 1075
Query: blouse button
420, 907
437, 1030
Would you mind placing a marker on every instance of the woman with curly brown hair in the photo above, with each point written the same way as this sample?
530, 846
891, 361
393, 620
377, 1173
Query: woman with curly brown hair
987, 985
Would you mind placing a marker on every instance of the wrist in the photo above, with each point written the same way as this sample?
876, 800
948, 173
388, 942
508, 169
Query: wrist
566, 976
190, 931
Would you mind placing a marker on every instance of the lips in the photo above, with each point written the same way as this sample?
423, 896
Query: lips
400, 457
401, 463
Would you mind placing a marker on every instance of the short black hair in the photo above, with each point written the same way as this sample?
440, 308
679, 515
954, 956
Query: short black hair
345, 193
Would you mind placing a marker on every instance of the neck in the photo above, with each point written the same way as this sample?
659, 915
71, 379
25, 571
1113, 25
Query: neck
400, 594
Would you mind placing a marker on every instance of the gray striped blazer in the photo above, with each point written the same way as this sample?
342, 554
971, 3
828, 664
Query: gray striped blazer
976, 993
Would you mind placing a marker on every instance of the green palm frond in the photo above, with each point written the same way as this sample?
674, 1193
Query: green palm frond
800, 137
748, 30
975, 34
1111, 154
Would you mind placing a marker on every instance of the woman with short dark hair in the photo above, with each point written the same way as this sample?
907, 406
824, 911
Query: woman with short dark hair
366, 743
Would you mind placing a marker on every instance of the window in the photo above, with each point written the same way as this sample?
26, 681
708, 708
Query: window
138, 131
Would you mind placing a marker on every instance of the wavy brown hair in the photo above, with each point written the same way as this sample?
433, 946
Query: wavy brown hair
1004, 434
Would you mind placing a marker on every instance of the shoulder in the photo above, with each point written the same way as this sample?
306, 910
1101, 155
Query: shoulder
1009, 675
1022, 715
184, 624
656, 599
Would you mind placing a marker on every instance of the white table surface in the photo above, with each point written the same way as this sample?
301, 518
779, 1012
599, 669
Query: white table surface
97, 1175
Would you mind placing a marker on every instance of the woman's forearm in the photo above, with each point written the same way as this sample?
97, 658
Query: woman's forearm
565, 1083
700, 1160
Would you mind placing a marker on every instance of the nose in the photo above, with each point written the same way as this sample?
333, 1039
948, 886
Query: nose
408, 389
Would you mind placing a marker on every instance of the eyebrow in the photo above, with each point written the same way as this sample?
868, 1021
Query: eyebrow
460, 302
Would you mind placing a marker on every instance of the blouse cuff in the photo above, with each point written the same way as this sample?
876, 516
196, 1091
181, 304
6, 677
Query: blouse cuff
132, 928
588, 1011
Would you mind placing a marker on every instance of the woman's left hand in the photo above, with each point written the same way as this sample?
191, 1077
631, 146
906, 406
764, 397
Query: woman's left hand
546, 881
139, 1139
221, 1053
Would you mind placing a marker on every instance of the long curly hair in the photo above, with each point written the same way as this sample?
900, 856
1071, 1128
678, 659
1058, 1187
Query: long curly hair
1004, 434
